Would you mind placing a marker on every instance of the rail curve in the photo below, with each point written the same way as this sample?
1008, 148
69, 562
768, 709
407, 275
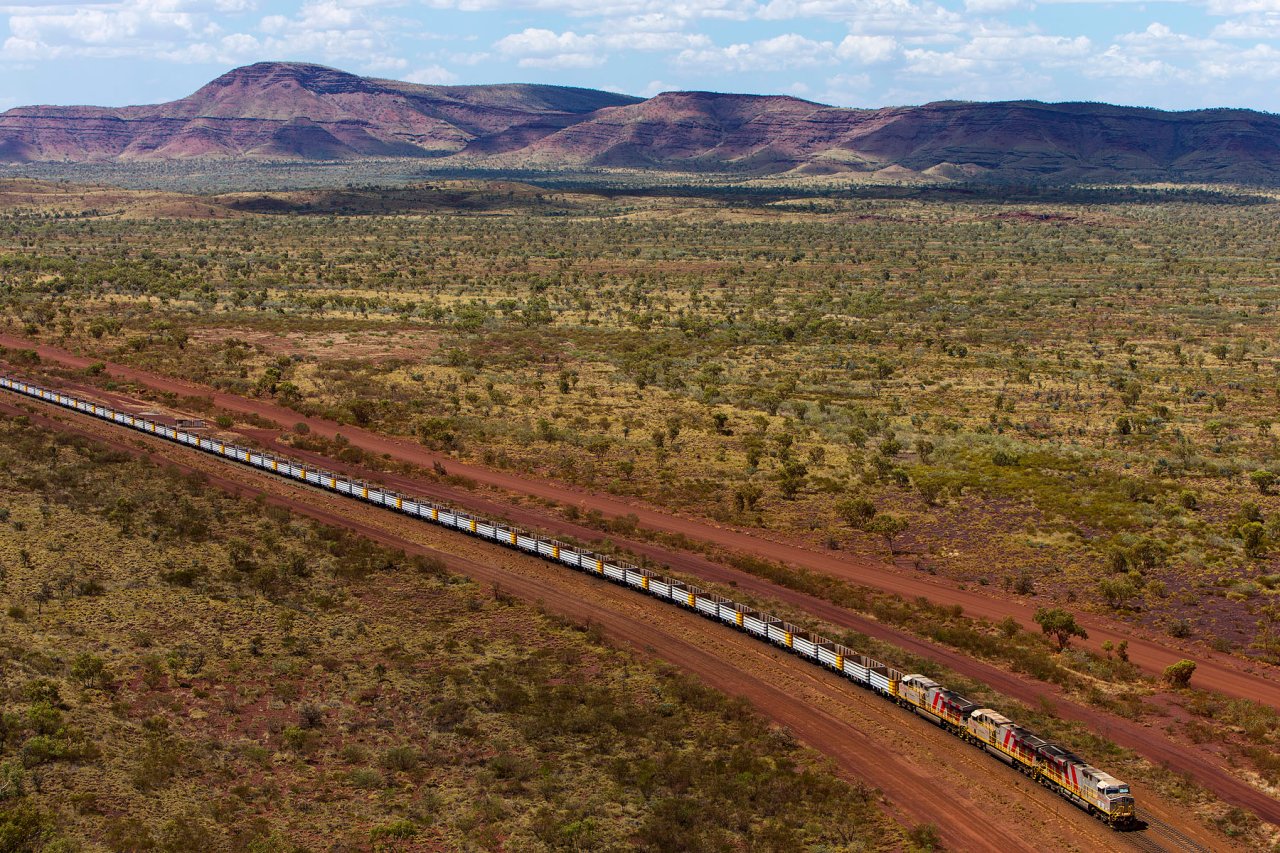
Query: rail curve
1066, 774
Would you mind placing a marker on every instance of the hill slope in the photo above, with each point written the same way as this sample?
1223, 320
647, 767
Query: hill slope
294, 111
280, 110
1021, 140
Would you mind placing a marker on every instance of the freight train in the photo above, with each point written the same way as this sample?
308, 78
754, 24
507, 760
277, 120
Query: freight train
1058, 769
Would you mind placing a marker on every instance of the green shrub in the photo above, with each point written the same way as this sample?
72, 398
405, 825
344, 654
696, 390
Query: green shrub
1178, 675
395, 830
402, 759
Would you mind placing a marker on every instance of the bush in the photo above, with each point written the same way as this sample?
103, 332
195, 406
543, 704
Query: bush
401, 758
432, 566
1264, 480
23, 828
1060, 625
129, 835
1178, 675
397, 829
159, 760
298, 740
366, 778
11, 779
925, 837
89, 670
856, 512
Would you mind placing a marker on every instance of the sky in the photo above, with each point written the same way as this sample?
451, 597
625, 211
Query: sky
1176, 54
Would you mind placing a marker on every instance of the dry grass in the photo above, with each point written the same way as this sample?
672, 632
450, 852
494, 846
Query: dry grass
183, 670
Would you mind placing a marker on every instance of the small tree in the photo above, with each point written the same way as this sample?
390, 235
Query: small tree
746, 496
1059, 624
792, 478
88, 669
930, 488
1264, 480
889, 527
856, 512
1254, 537
42, 595
925, 837
1117, 591
1179, 674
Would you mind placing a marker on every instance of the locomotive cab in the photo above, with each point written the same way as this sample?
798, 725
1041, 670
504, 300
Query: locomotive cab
1115, 801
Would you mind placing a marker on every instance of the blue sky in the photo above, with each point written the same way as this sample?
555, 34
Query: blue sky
1177, 55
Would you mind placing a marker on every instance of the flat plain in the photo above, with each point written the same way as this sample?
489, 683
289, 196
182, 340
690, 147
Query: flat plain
1062, 401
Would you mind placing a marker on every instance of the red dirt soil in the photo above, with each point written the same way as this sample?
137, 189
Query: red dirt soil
1201, 764
1214, 671
771, 680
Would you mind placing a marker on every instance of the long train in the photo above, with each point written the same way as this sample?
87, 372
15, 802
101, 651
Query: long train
1058, 769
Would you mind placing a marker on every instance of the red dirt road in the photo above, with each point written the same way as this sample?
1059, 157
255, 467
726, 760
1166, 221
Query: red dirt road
928, 776
1214, 671
1150, 742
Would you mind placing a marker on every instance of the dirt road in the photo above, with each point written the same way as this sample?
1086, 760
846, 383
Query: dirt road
1214, 671
1151, 743
1196, 761
927, 776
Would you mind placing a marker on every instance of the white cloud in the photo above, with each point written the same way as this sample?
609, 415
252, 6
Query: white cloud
1002, 48
867, 49
433, 75
997, 55
1115, 62
1249, 27
785, 51
109, 25
656, 87
189, 31
541, 48
845, 90
537, 40
1160, 39
1242, 7
1260, 62
986, 7
897, 17
613, 9
936, 63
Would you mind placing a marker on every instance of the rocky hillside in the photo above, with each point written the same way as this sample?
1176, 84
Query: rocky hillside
275, 110
292, 111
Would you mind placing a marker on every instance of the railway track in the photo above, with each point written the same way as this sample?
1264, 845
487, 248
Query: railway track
1156, 835
1169, 837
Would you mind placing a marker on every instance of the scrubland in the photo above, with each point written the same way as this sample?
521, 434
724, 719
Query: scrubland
1069, 399
185, 670
1073, 401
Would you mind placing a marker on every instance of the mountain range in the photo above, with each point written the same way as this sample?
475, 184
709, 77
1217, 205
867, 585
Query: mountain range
298, 111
